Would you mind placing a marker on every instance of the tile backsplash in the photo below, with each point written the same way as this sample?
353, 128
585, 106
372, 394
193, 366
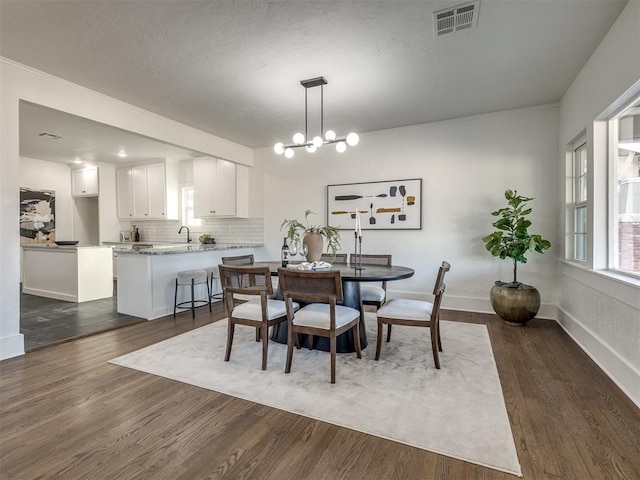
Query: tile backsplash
224, 230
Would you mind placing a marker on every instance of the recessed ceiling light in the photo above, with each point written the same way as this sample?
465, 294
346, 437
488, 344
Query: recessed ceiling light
77, 160
122, 153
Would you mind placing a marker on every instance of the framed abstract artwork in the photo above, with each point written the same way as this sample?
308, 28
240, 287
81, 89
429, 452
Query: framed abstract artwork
37, 216
387, 205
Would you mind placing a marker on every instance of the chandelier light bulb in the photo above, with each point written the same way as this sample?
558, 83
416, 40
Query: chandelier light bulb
317, 141
278, 148
288, 152
298, 138
341, 147
330, 135
353, 139
311, 148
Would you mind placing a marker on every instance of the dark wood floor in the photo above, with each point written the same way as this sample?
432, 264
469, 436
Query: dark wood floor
46, 321
66, 413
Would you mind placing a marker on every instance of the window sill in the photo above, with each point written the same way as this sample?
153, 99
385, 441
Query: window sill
623, 288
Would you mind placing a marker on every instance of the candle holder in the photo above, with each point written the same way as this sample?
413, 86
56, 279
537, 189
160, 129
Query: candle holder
357, 252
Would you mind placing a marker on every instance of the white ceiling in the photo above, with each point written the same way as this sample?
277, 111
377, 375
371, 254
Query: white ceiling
89, 141
233, 67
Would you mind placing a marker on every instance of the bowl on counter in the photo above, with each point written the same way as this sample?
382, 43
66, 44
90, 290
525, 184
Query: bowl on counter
66, 242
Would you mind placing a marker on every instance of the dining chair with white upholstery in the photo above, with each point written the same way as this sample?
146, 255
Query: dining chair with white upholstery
322, 316
262, 314
415, 313
374, 294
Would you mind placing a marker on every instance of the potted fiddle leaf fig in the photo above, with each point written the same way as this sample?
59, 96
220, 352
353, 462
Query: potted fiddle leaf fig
312, 236
515, 302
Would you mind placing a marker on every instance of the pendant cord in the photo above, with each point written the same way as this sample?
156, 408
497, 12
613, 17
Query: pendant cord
306, 117
322, 111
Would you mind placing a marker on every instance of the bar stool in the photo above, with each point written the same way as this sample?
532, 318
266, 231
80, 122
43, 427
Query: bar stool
191, 278
214, 277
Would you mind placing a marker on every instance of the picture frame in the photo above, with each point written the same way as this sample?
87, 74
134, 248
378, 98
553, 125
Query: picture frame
383, 205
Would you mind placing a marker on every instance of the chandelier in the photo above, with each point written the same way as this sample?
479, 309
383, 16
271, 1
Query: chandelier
325, 138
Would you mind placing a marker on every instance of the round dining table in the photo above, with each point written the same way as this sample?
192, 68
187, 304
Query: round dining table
351, 279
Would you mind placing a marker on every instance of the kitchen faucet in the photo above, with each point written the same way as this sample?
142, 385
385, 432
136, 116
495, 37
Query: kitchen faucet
180, 231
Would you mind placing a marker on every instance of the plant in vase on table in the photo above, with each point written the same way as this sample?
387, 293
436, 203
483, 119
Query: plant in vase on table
515, 302
313, 236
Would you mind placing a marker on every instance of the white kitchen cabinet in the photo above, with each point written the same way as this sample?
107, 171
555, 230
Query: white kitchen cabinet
84, 182
220, 188
124, 193
148, 192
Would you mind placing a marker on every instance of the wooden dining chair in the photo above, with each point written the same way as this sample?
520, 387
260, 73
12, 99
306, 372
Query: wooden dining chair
415, 313
322, 316
337, 258
373, 294
262, 314
238, 260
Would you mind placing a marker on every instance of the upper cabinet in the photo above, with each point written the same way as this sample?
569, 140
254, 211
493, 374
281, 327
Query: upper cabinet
148, 192
84, 182
221, 188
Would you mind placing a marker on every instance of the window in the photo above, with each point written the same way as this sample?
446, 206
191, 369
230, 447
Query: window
188, 203
624, 167
580, 202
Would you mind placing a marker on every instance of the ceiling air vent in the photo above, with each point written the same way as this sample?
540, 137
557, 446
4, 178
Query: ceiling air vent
52, 136
456, 18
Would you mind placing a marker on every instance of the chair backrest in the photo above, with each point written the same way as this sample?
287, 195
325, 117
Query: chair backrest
310, 286
374, 259
439, 287
239, 260
338, 258
438, 291
245, 280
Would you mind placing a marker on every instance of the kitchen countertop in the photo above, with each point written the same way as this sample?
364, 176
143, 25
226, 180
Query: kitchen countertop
158, 249
53, 246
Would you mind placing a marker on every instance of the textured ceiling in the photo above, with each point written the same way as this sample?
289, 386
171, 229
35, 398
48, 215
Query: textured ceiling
232, 67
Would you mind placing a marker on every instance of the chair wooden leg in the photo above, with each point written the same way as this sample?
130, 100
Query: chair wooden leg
230, 331
290, 334
310, 341
332, 342
438, 330
265, 344
388, 332
434, 346
379, 339
257, 334
209, 296
356, 331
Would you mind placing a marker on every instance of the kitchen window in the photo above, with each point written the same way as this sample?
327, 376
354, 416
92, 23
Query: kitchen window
580, 202
188, 208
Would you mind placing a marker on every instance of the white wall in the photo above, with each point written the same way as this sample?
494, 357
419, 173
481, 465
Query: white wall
23, 83
466, 165
601, 313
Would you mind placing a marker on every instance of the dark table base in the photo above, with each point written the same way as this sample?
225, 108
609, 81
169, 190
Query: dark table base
344, 343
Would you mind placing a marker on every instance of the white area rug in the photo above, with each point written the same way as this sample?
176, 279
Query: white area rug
457, 411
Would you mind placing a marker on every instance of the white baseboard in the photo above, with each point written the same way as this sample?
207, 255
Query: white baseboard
621, 372
12, 346
49, 294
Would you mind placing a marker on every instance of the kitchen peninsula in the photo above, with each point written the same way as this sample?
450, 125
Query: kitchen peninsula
71, 273
146, 277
